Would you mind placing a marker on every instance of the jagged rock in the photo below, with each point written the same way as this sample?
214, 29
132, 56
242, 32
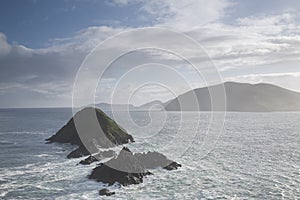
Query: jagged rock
128, 168
153, 160
97, 157
105, 192
87, 123
88, 160
125, 169
105, 154
172, 166
79, 152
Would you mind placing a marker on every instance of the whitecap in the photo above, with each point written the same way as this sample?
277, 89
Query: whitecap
24, 132
43, 155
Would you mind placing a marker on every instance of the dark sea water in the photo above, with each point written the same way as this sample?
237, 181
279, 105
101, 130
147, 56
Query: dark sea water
257, 156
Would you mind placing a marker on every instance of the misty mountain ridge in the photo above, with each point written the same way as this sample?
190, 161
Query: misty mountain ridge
153, 105
240, 97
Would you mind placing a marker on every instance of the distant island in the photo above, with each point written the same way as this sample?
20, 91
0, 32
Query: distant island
153, 105
240, 97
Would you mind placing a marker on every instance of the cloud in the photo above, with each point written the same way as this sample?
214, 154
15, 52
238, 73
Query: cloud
185, 14
5, 48
119, 2
46, 73
290, 80
253, 41
38, 73
179, 14
256, 42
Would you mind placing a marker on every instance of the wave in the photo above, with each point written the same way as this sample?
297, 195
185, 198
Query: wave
44, 155
5, 142
24, 132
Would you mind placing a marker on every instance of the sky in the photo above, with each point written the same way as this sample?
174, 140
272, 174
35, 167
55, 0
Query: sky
44, 43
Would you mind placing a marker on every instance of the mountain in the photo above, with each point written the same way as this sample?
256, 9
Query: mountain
240, 97
153, 105
117, 107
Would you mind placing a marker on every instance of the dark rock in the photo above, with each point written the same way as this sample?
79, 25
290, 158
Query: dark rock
125, 169
88, 160
79, 152
153, 160
106, 154
149, 173
105, 192
172, 166
67, 134
97, 157
87, 123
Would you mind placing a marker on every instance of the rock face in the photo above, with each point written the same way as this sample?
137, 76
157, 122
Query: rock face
87, 123
125, 169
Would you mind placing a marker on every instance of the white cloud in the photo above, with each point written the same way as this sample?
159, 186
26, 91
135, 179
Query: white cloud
4, 46
185, 14
255, 41
246, 43
290, 80
119, 2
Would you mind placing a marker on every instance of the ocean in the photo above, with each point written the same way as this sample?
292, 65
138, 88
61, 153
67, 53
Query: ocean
253, 156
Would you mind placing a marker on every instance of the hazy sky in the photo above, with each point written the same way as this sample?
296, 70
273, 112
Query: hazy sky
43, 43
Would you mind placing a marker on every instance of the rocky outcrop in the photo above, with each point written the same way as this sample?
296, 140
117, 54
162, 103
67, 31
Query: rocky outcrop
128, 168
125, 169
97, 157
88, 160
153, 160
105, 192
172, 166
88, 122
78, 152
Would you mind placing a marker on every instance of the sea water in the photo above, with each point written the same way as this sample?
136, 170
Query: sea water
250, 156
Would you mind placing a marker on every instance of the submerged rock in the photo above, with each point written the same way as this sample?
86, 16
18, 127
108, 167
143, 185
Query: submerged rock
105, 192
97, 157
125, 169
87, 123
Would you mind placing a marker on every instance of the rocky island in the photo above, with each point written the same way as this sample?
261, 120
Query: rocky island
110, 134
125, 168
